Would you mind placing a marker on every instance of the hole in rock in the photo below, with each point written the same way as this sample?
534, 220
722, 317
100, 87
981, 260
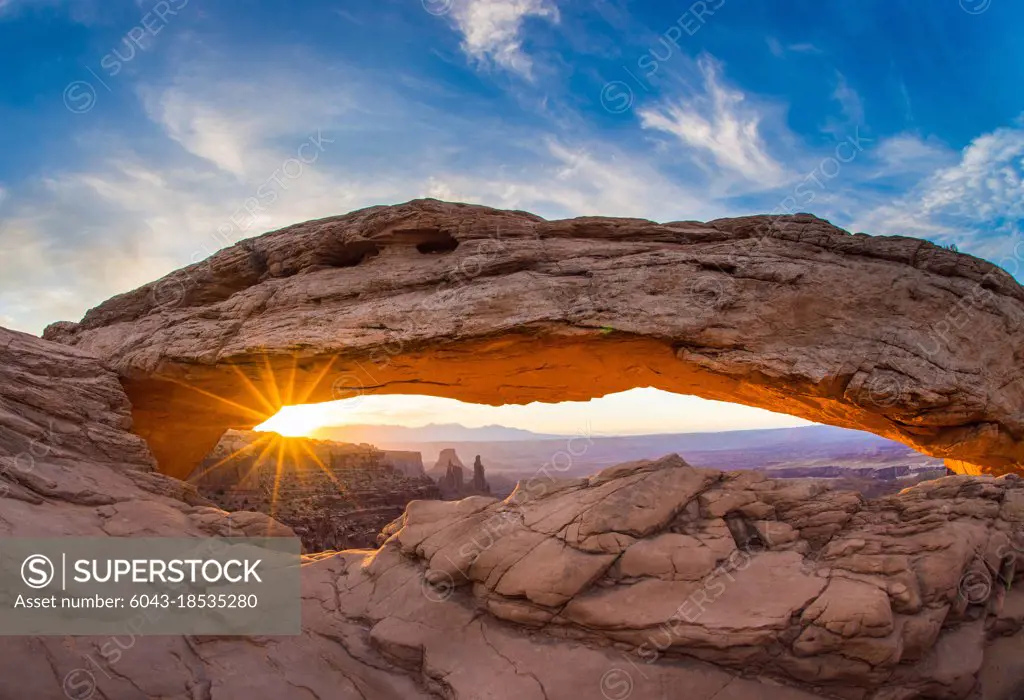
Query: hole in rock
339, 472
351, 254
437, 242
743, 532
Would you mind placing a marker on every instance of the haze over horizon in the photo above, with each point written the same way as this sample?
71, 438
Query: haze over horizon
641, 411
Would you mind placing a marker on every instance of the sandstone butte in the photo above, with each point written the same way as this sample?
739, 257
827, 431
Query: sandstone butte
645, 581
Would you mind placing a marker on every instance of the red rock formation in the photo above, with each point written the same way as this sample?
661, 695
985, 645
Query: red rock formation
406, 462
479, 484
893, 598
333, 495
450, 473
891, 335
628, 582
452, 484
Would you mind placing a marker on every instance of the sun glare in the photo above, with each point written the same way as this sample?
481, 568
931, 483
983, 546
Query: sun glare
293, 421
637, 411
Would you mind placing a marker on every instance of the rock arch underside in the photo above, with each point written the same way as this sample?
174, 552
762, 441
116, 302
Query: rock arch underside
641, 581
891, 335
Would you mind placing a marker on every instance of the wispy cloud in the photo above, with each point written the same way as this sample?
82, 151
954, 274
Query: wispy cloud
971, 202
226, 121
779, 50
849, 100
909, 153
721, 124
576, 180
492, 29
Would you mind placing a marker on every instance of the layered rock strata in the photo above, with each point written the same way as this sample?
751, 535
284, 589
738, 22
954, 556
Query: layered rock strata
637, 582
892, 335
899, 597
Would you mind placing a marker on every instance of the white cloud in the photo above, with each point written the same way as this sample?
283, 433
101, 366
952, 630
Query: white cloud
581, 180
779, 50
720, 124
986, 183
492, 29
849, 100
975, 202
909, 153
227, 122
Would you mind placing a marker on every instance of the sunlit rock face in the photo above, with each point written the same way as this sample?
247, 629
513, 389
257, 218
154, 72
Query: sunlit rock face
891, 335
906, 596
334, 495
648, 577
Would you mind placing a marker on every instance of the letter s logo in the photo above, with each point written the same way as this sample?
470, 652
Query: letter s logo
37, 571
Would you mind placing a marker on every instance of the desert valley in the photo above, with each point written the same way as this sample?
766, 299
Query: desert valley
340, 495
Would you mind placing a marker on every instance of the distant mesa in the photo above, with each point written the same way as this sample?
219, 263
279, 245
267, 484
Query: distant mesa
432, 432
405, 462
447, 457
451, 480
333, 495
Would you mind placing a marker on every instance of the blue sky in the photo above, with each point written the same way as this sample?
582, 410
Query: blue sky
136, 135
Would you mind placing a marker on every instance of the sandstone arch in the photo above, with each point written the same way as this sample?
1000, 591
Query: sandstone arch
892, 335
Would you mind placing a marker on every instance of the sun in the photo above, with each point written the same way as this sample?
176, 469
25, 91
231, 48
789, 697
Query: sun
292, 421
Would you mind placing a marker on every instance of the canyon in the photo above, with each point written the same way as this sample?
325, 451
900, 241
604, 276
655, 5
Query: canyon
634, 582
333, 495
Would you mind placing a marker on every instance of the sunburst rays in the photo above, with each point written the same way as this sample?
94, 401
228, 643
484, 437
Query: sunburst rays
267, 397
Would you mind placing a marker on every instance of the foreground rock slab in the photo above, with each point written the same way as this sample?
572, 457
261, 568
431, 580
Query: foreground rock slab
891, 335
70, 466
638, 582
900, 597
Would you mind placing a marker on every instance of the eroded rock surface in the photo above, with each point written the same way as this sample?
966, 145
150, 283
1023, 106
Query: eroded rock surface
892, 335
639, 582
69, 466
334, 495
899, 597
